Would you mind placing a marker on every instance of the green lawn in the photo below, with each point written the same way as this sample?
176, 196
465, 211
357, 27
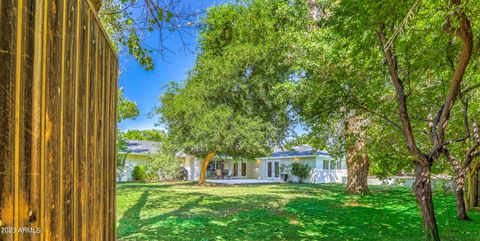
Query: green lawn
184, 211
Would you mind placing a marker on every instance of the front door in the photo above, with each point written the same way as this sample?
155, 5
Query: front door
273, 169
243, 169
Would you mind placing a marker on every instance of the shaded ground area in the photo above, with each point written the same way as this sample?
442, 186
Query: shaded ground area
241, 181
184, 211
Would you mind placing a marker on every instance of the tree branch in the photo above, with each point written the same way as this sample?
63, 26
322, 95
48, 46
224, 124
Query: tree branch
465, 32
401, 99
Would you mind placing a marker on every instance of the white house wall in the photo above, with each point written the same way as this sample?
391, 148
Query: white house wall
317, 174
130, 162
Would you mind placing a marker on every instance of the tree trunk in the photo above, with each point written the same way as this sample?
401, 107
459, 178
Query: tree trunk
473, 194
357, 160
206, 162
459, 195
459, 184
423, 193
357, 170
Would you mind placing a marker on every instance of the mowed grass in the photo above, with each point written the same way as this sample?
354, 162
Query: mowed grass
185, 211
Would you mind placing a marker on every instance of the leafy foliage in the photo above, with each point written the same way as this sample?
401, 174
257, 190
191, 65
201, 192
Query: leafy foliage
130, 23
145, 135
235, 98
139, 173
126, 108
301, 171
165, 165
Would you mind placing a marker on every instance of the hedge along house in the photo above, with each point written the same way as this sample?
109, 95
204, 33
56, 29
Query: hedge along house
137, 153
325, 169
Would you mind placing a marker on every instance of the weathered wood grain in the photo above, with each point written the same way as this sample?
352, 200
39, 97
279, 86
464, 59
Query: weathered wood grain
106, 144
7, 108
101, 144
29, 117
53, 158
91, 138
69, 120
58, 85
80, 128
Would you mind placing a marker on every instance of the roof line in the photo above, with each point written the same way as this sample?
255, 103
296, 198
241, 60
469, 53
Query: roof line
297, 156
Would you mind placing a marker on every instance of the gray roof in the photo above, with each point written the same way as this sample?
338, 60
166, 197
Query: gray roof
301, 150
141, 147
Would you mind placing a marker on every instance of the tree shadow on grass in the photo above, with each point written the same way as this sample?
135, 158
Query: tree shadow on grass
149, 185
127, 223
275, 212
198, 216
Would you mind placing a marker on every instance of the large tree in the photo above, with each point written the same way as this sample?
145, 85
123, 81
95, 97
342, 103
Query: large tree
233, 102
335, 99
425, 56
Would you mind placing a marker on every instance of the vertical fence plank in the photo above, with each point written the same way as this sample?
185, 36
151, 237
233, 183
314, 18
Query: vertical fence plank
106, 138
80, 123
113, 131
53, 120
69, 120
100, 136
91, 115
8, 13
30, 113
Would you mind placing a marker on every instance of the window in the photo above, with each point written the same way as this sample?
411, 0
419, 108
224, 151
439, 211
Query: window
333, 165
269, 169
277, 169
235, 169
325, 164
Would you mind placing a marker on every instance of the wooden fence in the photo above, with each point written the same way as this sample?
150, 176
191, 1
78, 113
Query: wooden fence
58, 82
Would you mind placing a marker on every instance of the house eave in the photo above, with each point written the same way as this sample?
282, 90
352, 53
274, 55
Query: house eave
136, 154
286, 157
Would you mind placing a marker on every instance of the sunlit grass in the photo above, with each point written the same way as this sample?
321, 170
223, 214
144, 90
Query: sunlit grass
184, 211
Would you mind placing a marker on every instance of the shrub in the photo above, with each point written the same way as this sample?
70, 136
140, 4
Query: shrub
300, 171
139, 173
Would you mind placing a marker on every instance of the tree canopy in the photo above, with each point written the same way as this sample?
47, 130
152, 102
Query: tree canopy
234, 99
145, 135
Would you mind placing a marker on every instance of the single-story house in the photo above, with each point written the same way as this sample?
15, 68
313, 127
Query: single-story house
325, 169
136, 153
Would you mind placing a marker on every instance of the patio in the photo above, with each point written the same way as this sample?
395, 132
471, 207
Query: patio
240, 181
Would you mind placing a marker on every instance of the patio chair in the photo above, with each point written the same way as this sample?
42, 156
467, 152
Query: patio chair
219, 173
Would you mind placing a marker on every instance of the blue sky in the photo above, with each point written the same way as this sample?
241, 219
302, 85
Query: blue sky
145, 87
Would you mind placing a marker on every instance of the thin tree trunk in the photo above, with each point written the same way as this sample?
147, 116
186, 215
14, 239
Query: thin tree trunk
206, 162
473, 194
459, 195
458, 184
423, 193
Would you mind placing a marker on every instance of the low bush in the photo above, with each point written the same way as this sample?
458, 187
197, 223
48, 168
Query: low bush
300, 171
139, 173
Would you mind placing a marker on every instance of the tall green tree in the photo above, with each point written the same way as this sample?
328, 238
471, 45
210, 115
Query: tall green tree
423, 52
336, 101
235, 102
